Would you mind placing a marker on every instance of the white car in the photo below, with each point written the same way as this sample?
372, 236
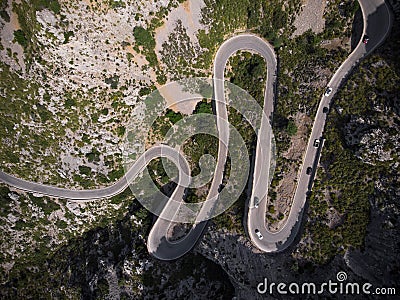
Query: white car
260, 237
328, 91
316, 143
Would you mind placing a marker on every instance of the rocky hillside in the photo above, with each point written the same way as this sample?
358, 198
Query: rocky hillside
72, 72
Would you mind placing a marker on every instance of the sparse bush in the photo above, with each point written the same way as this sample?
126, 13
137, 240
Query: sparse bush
112, 81
121, 130
67, 36
61, 224
291, 128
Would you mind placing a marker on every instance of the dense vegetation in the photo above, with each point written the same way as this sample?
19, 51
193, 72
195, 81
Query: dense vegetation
3, 13
302, 60
145, 39
249, 72
225, 17
20, 38
345, 183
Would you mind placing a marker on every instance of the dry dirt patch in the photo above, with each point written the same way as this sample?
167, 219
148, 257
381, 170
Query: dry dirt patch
189, 13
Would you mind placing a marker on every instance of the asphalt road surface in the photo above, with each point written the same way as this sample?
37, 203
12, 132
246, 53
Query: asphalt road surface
158, 244
377, 24
108, 192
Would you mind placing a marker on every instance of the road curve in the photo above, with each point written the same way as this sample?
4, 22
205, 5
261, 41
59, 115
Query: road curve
108, 192
377, 24
158, 244
374, 12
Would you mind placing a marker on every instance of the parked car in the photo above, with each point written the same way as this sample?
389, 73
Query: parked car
365, 39
256, 202
309, 170
325, 110
328, 91
260, 237
317, 143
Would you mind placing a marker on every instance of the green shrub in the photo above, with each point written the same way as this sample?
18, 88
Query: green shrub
291, 128
121, 130
144, 91
69, 102
203, 107
161, 79
4, 15
117, 3
44, 114
93, 156
144, 38
61, 224
112, 81
116, 174
20, 38
173, 116
85, 170
53, 5
67, 35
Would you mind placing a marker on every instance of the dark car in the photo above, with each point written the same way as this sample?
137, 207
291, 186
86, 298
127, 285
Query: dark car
256, 202
309, 170
325, 110
328, 92
365, 39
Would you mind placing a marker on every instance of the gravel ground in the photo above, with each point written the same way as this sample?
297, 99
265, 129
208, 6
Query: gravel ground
189, 14
310, 17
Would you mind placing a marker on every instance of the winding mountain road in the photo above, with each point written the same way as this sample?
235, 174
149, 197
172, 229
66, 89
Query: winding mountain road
377, 24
